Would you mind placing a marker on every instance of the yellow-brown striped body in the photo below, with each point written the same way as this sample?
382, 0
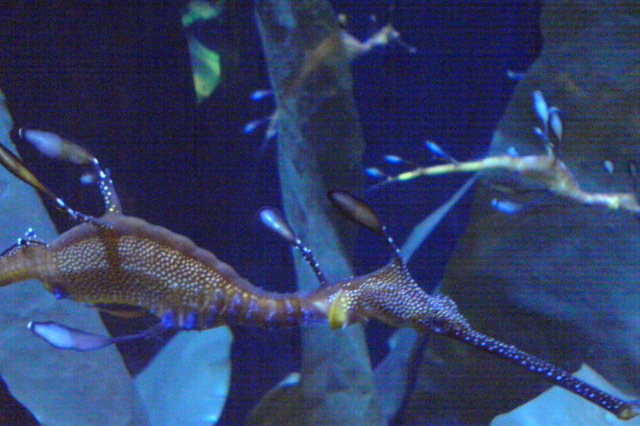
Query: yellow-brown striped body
132, 262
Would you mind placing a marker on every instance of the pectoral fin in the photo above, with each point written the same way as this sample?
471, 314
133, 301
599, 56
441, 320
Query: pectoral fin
121, 311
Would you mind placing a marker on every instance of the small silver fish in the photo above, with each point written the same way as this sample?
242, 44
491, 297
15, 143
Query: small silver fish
555, 123
540, 106
254, 124
512, 151
608, 165
375, 172
439, 152
516, 75
506, 206
260, 94
393, 159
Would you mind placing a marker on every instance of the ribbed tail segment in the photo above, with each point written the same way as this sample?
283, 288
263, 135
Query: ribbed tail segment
23, 262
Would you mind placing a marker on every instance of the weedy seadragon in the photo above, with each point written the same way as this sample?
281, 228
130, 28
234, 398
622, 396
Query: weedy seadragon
125, 265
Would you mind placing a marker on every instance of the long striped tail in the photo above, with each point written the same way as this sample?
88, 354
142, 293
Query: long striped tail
622, 409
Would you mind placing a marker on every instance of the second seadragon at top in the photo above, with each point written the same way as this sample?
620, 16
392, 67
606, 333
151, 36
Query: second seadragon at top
545, 169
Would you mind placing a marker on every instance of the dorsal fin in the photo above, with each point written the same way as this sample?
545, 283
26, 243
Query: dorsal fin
55, 146
13, 164
273, 220
363, 214
108, 190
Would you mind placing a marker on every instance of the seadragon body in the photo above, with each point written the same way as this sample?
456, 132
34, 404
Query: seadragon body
546, 169
132, 263
125, 265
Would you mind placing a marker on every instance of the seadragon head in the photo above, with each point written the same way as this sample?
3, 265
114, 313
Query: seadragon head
390, 294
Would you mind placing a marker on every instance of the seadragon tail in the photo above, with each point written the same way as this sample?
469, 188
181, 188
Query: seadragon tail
624, 410
25, 260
